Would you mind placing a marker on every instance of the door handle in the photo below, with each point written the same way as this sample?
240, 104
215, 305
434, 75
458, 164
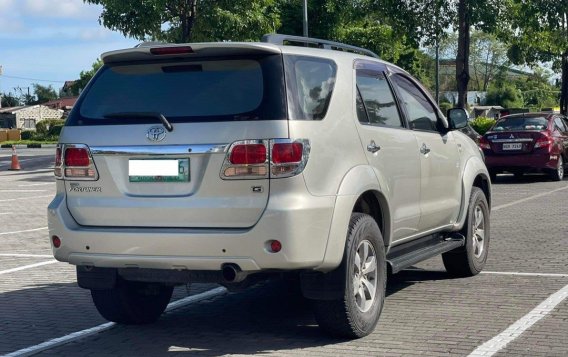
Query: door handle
424, 149
372, 147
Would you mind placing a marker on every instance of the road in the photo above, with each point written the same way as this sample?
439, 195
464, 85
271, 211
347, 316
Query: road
517, 307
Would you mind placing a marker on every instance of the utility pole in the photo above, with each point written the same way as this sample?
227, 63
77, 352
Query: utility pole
305, 18
1, 87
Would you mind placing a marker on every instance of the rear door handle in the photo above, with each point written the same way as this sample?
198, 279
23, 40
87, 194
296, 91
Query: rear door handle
372, 147
424, 149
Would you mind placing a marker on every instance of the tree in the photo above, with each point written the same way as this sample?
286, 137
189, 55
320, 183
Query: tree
85, 77
44, 94
9, 100
189, 20
538, 32
426, 20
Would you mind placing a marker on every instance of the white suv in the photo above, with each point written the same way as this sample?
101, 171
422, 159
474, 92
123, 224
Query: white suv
229, 162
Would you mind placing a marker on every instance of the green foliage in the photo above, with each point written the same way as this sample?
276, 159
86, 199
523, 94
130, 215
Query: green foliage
9, 100
445, 106
507, 96
482, 124
27, 134
538, 32
190, 20
44, 93
54, 130
43, 127
85, 77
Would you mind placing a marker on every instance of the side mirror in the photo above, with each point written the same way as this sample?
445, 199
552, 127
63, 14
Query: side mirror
457, 118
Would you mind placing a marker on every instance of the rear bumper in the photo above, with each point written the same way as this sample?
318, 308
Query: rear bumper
521, 162
300, 221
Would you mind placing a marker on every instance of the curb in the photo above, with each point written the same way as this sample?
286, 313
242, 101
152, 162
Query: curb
32, 146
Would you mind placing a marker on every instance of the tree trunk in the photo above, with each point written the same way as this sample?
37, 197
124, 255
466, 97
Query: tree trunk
564, 92
187, 19
462, 60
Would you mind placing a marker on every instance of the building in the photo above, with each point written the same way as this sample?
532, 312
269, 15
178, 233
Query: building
27, 117
65, 104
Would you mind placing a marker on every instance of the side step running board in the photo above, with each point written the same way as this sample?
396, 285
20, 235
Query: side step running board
407, 254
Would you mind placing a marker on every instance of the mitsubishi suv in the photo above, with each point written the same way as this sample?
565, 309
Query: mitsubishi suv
234, 162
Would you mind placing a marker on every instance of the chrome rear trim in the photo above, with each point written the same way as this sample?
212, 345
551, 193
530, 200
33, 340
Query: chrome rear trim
158, 150
527, 140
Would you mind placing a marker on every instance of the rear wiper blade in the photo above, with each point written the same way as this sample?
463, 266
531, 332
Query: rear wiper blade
160, 116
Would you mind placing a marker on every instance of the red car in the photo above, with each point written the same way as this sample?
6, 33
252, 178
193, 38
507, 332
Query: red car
529, 142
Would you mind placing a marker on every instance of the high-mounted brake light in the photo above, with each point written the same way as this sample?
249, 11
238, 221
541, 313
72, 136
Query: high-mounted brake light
174, 50
73, 161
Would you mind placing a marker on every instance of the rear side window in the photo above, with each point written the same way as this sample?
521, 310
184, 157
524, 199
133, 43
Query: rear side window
310, 82
521, 124
202, 90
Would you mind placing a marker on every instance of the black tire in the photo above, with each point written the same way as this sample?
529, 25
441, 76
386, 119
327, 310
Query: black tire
343, 317
558, 174
132, 303
470, 259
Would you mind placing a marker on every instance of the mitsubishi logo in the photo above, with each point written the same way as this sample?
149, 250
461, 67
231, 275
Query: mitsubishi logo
156, 133
512, 136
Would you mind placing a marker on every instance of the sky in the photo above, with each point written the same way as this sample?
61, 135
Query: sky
51, 41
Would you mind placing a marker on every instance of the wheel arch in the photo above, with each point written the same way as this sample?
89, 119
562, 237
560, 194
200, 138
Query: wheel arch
475, 174
359, 191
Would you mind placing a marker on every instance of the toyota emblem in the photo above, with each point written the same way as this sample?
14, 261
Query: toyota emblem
156, 133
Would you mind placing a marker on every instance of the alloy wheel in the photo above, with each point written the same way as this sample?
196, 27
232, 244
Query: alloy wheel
365, 276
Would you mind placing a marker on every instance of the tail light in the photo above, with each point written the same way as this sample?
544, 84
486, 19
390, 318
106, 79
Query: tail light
74, 161
261, 159
484, 143
543, 141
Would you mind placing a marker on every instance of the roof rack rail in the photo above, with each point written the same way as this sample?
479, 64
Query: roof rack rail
279, 39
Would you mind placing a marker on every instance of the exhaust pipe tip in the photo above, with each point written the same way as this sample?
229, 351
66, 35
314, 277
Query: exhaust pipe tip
232, 273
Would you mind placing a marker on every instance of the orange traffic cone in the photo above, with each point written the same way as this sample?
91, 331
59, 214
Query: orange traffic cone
15, 162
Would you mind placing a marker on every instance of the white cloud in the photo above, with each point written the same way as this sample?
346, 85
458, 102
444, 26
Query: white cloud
6, 6
70, 9
10, 26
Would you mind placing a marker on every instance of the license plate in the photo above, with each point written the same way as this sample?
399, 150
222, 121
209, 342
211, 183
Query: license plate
158, 170
511, 146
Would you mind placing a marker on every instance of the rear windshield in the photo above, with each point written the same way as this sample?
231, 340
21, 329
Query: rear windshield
521, 124
201, 90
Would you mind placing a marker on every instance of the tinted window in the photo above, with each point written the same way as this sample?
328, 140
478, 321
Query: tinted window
310, 83
198, 90
560, 125
378, 99
521, 124
421, 113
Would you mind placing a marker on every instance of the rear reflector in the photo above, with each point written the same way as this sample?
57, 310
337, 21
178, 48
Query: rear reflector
56, 241
284, 153
77, 157
176, 50
248, 154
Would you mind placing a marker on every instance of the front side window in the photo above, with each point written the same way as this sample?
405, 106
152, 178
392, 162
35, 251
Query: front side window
310, 82
421, 112
377, 99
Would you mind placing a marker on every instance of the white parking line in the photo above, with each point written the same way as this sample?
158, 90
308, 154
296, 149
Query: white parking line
24, 231
25, 198
499, 342
28, 351
548, 275
16, 255
27, 267
23, 191
497, 208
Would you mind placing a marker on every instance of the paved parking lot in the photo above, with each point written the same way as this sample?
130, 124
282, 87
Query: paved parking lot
517, 307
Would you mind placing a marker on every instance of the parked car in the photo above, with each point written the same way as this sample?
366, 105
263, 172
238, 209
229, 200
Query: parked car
231, 162
531, 142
